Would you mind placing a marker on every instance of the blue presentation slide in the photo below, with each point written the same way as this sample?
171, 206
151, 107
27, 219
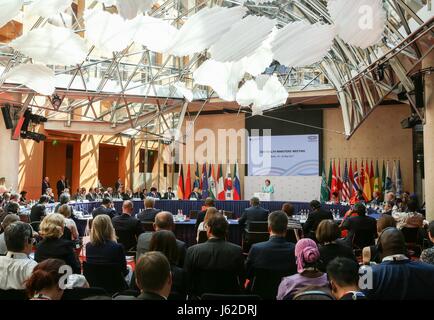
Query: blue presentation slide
294, 155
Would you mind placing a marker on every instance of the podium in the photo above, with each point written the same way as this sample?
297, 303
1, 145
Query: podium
263, 196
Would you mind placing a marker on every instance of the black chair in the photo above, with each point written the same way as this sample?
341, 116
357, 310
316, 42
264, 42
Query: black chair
106, 276
265, 283
362, 239
293, 235
148, 226
214, 281
313, 295
127, 239
230, 297
83, 293
258, 226
251, 238
202, 237
193, 214
229, 214
8, 295
176, 296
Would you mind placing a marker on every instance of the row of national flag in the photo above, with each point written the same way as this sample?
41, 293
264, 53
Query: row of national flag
210, 182
368, 179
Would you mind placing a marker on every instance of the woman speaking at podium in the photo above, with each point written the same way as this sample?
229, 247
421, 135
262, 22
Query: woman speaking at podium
268, 187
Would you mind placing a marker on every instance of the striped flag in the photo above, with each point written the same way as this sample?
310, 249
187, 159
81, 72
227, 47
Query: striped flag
220, 184
211, 183
228, 183
339, 177
237, 185
345, 184
196, 183
356, 184
204, 182
180, 190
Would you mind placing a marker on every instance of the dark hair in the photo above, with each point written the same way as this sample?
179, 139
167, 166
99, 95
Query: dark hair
17, 235
12, 207
165, 242
43, 199
344, 271
218, 226
45, 275
64, 198
315, 204
255, 201
288, 209
360, 209
106, 201
412, 206
327, 231
153, 189
152, 271
278, 222
209, 202
385, 222
431, 228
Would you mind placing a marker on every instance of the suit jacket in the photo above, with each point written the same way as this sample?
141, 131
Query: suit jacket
367, 226
148, 214
195, 195
169, 195
274, 254
127, 229
108, 253
215, 254
144, 241
253, 214
152, 195
401, 280
58, 249
313, 220
333, 250
103, 210
142, 296
91, 197
45, 186
60, 186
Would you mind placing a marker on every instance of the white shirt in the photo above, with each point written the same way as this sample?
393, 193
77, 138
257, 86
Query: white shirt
15, 268
395, 257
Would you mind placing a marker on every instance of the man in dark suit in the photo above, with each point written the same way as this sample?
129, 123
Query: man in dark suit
363, 227
38, 210
195, 194
254, 213
153, 277
209, 202
149, 213
127, 228
397, 277
169, 195
276, 254
45, 185
105, 208
154, 193
215, 256
118, 185
163, 221
60, 186
315, 217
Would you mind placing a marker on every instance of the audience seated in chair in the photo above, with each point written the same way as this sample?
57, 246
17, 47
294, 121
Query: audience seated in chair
330, 246
163, 221
362, 229
127, 227
153, 277
210, 212
149, 213
307, 257
37, 212
52, 244
343, 274
397, 277
16, 266
254, 213
209, 203
294, 226
409, 219
106, 207
428, 254
314, 218
9, 219
215, 266
370, 254
65, 211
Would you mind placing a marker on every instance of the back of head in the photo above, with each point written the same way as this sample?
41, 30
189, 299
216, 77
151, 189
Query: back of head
164, 220
52, 226
149, 202
43, 199
64, 198
343, 271
278, 222
102, 230
288, 209
360, 209
209, 202
152, 271
218, 226
315, 204
106, 201
385, 221
391, 242
17, 235
254, 201
8, 219
45, 275
327, 231
127, 206
164, 241
65, 210
210, 212
412, 206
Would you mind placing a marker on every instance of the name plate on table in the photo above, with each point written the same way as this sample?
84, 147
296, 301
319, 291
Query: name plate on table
263, 196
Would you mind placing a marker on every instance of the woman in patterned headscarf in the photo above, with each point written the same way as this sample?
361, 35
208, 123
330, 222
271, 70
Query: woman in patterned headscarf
307, 257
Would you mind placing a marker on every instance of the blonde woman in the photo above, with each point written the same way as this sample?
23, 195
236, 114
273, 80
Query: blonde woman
103, 248
53, 246
210, 212
65, 210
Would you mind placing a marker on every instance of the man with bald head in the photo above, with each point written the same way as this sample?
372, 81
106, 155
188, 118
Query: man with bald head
163, 221
397, 277
127, 227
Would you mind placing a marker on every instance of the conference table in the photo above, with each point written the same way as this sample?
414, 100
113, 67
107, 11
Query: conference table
185, 230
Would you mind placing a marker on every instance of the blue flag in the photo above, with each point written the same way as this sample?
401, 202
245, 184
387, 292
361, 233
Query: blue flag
204, 182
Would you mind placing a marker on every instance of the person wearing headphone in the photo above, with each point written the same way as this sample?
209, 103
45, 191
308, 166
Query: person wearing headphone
17, 266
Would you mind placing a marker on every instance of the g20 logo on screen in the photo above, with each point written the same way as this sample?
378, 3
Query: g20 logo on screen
365, 278
65, 271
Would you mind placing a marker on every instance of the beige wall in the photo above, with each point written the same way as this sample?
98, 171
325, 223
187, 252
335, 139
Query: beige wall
379, 137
